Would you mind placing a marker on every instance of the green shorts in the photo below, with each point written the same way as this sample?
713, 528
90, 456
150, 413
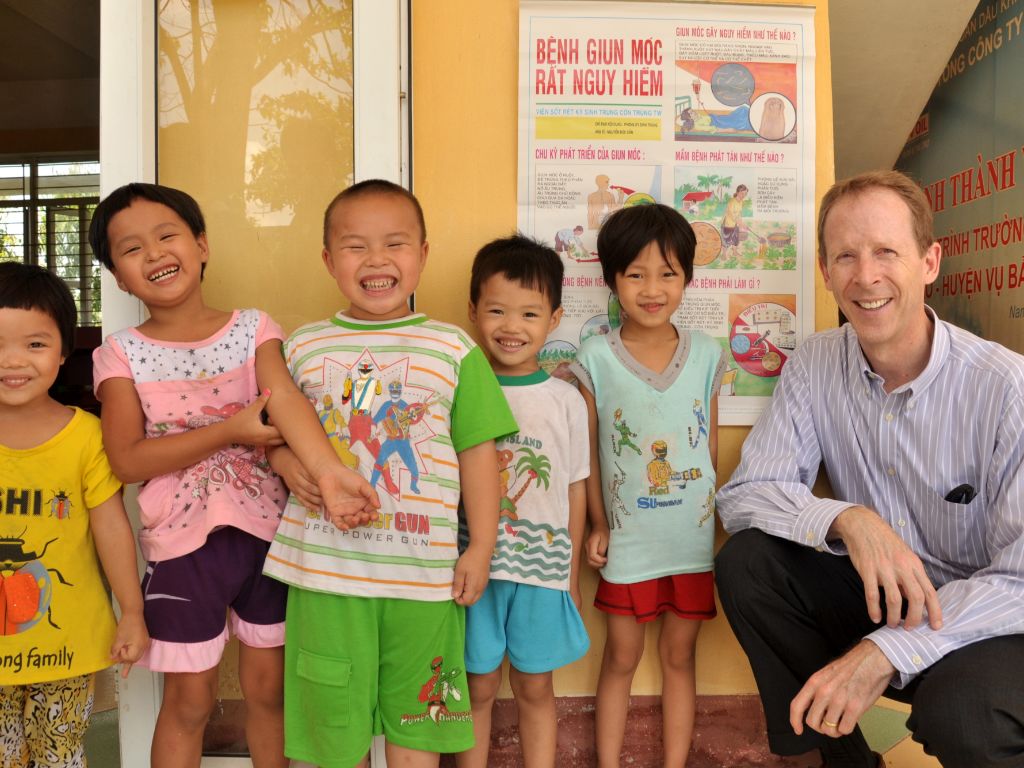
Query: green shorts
356, 667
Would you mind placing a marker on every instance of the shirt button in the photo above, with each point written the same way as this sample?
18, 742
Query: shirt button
810, 536
902, 523
888, 417
891, 471
910, 406
916, 659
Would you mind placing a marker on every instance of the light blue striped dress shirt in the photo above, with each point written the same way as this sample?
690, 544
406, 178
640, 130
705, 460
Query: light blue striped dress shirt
899, 453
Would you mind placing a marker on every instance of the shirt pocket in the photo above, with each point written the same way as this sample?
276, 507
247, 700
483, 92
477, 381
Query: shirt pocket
324, 688
951, 532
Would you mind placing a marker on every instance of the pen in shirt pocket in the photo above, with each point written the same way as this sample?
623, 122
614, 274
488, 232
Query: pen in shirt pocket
962, 494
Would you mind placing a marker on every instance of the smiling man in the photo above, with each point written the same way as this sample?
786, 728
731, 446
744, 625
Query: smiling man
910, 582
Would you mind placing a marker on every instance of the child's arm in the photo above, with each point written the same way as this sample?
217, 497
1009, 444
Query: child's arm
348, 499
481, 491
115, 546
597, 542
135, 458
577, 523
301, 484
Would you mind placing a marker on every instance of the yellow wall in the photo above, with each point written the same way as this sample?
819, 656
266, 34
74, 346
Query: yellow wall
464, 74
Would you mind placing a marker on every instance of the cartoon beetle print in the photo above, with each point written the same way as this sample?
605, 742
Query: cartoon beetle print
25, 585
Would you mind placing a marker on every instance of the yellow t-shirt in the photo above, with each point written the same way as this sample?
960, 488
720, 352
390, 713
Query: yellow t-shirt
733, 212
55, 615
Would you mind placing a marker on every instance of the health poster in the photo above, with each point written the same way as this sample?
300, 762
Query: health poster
707, 108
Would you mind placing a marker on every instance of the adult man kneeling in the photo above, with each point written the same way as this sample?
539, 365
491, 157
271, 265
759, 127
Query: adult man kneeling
911, 581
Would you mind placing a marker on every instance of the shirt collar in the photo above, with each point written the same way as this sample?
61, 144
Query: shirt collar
860, 370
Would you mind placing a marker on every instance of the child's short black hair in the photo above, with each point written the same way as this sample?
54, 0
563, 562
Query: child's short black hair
629, 230
180, 202
26, 286
520, 259
373, 187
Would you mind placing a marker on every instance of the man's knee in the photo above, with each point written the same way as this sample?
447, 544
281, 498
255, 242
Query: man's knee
747, 558
968, 711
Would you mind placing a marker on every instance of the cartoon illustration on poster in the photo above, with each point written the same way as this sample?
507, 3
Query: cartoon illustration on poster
743, 218
707, 109
730, 101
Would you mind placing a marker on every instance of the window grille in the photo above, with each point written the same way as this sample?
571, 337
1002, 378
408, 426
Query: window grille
45, 208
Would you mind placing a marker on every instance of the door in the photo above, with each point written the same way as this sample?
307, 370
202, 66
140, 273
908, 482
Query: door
262, 111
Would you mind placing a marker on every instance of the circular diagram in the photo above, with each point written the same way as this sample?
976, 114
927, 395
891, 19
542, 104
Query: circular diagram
732, 84
638, 198
762, 337
709, 243
772, 116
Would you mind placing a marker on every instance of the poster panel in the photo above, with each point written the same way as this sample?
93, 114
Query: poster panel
708, 108
964, 151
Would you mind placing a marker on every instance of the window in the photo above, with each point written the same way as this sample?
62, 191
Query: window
45, 207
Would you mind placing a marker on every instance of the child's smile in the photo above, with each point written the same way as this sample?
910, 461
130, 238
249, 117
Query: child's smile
375, 253
651, 288
30, 355
156, 256
514, 323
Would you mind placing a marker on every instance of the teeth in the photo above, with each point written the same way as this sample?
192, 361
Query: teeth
158, 276
512, 344
379, 285
873, 304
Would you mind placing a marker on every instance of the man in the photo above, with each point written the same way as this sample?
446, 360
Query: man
912, 579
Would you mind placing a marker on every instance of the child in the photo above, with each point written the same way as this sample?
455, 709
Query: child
60, 507
376, 625
530, 608
182, 411
651, 392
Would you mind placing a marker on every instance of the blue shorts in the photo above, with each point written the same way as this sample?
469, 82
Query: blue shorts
538, 627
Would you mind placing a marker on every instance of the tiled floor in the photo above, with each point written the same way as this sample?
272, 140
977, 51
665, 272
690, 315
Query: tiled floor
883, 728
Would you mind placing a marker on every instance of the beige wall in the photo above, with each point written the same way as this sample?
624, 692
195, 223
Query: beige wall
464, 74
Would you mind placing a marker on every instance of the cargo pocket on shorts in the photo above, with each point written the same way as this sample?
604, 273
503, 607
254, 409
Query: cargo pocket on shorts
325, 690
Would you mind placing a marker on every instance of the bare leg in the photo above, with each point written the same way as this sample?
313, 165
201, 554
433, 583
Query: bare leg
538, 721
676, 646
403, 757
261, 674
622, 652
482, 691
189, 698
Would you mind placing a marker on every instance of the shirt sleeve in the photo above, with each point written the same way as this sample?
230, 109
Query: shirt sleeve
578, 437
479, 411
268, 329
109, 362
98, 480
771, 488
990, 602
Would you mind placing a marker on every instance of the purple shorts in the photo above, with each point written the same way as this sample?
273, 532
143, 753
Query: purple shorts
187, 600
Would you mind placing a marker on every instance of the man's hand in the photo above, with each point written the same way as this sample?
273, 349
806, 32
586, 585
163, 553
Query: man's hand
472, 570
885, 562
835, 697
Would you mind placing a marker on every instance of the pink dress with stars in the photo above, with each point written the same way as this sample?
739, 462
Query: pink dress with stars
183, 386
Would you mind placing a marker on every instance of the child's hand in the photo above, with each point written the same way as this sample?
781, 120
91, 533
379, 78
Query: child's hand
348, 499
130, 641
247, 428
471, 573
597, 547
300, 483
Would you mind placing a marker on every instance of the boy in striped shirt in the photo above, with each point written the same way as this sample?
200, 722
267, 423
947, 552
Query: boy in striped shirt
376, 622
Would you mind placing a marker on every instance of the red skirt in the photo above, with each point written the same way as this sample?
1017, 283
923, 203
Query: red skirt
687, 595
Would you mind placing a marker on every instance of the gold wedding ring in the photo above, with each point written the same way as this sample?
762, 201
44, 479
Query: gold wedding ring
827, 724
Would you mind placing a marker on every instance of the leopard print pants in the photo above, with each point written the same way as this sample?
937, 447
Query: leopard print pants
43, 725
